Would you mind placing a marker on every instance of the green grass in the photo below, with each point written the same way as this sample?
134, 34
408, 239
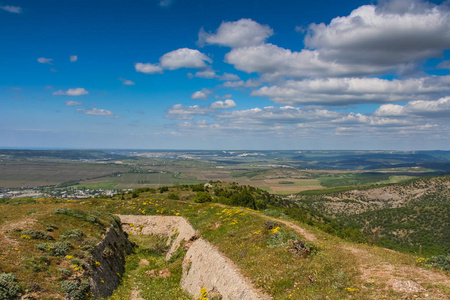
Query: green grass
261, 254
106, 185
143, 275
34, 249
136, 180
242, 236
25, 173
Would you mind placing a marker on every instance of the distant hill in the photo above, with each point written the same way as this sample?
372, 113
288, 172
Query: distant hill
57, 155
404, 216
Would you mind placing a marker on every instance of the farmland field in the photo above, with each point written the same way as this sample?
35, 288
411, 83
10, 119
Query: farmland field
30, 173
136, 180
279, 172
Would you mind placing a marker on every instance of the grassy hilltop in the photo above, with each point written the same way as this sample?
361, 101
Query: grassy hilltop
258, 231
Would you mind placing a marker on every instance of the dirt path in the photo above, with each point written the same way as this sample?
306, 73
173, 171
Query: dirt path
135, 295
374, 269
176, 228
302, 231
203, 265
411, 281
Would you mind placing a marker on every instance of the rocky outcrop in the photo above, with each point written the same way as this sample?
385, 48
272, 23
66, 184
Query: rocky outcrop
205, 266
108, 262
176, 228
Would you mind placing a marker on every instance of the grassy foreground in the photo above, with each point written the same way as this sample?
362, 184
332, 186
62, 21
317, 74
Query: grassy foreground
333, 270
325, 267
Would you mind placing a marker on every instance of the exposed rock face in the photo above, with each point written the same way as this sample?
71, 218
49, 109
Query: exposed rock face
177, 228
108, 262
205, 266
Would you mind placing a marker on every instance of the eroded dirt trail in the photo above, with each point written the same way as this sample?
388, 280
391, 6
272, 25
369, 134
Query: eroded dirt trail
410, 281
374, 269
203, 266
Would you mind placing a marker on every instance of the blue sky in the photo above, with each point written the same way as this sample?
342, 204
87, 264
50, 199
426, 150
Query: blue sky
202, 74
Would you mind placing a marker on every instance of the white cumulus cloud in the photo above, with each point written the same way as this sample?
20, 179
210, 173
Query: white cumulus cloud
44, 60
273, 62
98, 112
434, 109
241, 33
181, 112
223, 104
127, 82
177, 59
391, 34
184, 58
148, 68
71, 92
339, 91
201, 95
208, 74
73, 103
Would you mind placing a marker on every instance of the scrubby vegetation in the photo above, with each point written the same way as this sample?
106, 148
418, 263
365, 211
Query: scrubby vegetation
9, 288
51, 253
149, 274
58, 239
413, 218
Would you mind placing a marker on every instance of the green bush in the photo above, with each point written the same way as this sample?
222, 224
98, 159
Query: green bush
163, 189
36, 264
37, 234
74, 233
280, 239
64, 211
440, 261
9, 288
244, 198
88, 244
64, 272
202, 197
198, 187
51, 227
55, 249
92, 219
76, 290
173, 196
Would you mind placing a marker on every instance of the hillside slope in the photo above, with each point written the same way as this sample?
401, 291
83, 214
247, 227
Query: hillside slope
405, 216
281, 258
289, 260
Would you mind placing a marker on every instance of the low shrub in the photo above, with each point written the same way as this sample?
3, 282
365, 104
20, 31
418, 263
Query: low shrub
269, 224
9, 288
65, 273
55, 249
74, 233
202, 197
37, 234
440, 261
280, 238
76, 290
51, 227
36, 264
163, 189
173, 196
